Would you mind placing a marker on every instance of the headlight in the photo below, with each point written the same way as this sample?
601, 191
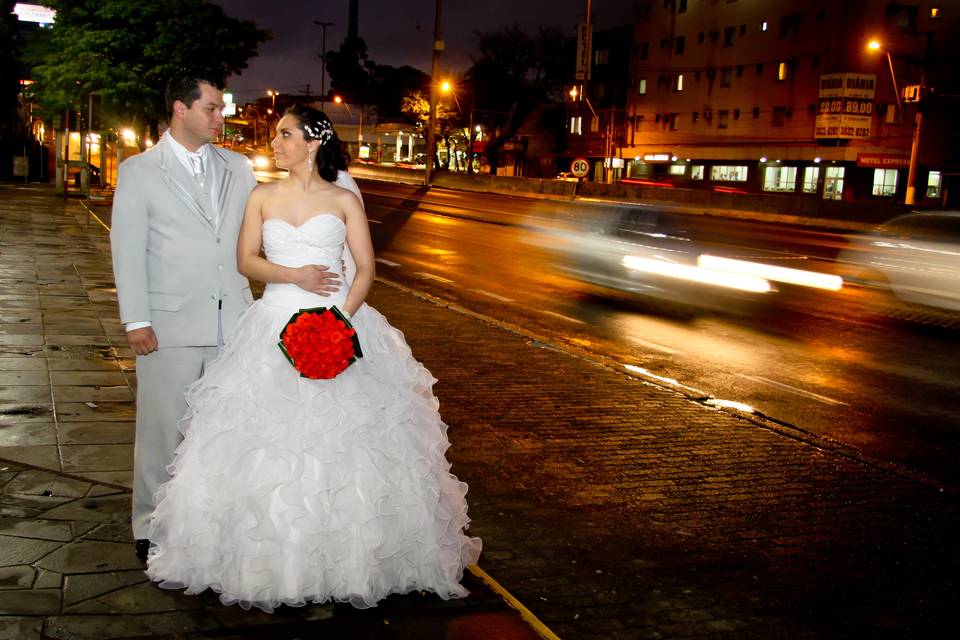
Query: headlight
261, 162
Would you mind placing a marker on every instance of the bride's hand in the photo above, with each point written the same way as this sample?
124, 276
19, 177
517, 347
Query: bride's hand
316, 279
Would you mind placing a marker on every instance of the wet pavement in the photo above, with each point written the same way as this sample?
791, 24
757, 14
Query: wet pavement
611, 507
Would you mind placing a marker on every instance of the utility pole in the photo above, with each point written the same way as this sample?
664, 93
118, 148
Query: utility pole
323, 57
434, 78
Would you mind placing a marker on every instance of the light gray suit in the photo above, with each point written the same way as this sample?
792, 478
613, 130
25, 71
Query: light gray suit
176, 268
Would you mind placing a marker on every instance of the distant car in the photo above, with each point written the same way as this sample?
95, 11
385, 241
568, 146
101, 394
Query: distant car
566, 176
259, 160
916, 256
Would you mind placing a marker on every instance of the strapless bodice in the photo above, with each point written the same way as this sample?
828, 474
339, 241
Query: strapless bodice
319, 240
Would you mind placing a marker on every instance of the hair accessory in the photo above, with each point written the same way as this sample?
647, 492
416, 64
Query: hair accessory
321, 130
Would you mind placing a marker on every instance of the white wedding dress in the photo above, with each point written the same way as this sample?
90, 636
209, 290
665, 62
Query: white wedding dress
287, 490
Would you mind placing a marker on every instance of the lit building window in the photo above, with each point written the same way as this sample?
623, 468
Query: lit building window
576, 125
729, 173
678, 169
884, 182
935, 12
933, 184
696, 172
810, 177
783, 71
763, 26
833, 183
642, 87
679, 83
779, 178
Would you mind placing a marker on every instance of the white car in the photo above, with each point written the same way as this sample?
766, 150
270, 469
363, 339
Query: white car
916, 256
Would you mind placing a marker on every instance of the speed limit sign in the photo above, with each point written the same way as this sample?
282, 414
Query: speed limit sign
580, 167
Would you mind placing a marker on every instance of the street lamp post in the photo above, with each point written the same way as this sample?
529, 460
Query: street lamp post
434, 73
876, 45
323, 57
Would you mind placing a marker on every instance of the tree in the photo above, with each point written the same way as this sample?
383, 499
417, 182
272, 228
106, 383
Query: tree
349, 71
512, 74
126, 50
417, 107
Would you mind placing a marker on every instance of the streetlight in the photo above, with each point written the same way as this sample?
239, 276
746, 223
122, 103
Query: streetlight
438, 47
875, 45
447, 87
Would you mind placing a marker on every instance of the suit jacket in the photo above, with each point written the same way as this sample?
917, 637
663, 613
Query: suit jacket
173, 266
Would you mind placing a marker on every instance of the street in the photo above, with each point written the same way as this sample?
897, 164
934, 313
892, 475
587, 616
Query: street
839, 364
610, 504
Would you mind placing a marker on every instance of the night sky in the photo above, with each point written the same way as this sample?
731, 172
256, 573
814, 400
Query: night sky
397, 32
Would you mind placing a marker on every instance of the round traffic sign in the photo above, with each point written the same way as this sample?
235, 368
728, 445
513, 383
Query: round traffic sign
580, 167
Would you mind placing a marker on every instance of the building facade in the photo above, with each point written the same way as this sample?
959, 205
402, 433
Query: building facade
790, 96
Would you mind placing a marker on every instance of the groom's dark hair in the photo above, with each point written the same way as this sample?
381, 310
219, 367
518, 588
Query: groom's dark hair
185, 87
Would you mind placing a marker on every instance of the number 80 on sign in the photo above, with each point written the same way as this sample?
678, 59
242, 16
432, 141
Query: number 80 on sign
580, 167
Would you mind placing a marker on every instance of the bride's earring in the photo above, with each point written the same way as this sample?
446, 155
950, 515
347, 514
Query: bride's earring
309, 162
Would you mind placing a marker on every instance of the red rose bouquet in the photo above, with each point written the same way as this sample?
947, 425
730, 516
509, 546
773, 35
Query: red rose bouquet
320, 342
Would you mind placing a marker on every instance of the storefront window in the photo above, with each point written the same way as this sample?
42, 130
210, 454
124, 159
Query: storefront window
884, 182
729, 173
780, 179
810, 177
678, 169
833, 183
696, 172
933, 184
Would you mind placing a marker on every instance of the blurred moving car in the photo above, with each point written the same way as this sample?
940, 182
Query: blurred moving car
644, 251
566, 176
916, 256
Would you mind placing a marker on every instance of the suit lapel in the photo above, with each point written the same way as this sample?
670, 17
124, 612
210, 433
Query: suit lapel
184, 186
225, 180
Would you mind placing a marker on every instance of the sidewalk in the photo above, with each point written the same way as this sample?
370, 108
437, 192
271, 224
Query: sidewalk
611, 507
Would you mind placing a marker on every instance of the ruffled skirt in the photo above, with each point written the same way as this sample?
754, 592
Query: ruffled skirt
287, 490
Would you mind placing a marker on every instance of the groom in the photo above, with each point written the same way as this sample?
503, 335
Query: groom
176, 217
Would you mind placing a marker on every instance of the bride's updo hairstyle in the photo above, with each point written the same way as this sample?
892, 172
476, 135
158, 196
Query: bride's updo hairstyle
315, 125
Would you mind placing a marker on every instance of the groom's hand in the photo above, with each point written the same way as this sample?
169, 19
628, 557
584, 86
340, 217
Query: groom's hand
143, 341
316, 279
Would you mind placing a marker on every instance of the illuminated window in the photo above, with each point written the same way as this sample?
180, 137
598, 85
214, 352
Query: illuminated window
933, 184
678, 169
833, 183
884, 182
783, 71
678, 84
778, 178
763, 26
810, 177
729, 173
642, 87
696, 172
935, 12
576, 125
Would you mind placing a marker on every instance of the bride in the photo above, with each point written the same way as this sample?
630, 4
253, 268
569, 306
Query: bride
287, 490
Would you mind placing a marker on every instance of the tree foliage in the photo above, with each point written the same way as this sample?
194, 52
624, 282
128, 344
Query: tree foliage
513, 73
126, 50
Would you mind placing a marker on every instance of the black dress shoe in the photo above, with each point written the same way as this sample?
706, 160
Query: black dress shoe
142, 546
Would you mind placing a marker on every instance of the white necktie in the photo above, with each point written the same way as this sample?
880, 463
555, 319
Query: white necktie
196, 163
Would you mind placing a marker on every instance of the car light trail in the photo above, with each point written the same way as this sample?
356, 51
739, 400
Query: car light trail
771, 272
743, 282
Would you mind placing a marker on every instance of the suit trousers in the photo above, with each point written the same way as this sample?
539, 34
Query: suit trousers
162, 378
